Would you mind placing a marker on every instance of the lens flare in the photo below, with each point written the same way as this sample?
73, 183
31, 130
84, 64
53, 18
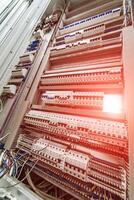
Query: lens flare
112, 103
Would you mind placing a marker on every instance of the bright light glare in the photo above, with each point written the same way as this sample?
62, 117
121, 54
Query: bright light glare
112, 103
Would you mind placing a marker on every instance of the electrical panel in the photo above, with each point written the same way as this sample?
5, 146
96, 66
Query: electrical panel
76, 127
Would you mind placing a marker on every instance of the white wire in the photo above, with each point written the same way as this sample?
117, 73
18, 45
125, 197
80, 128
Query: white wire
1, 106
10, 186
25, 177
22, 167
4, 136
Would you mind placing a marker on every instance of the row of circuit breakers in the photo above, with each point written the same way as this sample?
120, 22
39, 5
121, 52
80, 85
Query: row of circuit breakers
79, 140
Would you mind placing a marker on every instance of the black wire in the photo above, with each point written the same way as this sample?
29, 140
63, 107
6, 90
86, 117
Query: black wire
10, 186
28, 172
13, 163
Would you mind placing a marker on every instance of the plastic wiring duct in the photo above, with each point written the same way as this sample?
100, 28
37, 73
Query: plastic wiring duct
5, 7
12, 19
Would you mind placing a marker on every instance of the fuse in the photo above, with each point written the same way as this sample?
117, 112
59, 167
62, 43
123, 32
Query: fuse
90, 21
87, 76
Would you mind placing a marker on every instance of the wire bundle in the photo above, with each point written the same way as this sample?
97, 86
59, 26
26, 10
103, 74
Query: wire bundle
10, 164
7, 164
